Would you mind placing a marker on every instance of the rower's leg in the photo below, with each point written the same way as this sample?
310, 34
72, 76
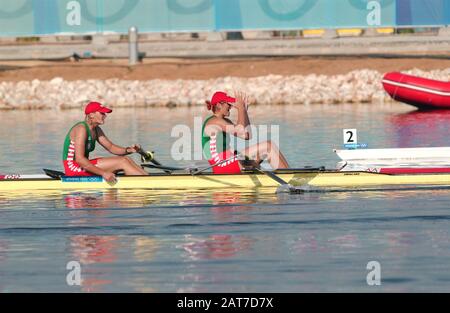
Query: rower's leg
118, 163
136, 169
267, 150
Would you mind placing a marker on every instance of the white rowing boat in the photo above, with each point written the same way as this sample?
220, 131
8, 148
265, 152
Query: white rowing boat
395, 155
396, 161
425, 157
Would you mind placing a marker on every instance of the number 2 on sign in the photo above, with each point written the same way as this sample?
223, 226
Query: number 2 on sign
350, 136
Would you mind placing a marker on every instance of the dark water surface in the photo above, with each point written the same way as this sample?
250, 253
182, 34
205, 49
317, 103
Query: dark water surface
229, 240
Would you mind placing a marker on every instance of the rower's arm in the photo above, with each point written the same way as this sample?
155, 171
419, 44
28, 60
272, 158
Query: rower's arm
108, 145
236, 130
243, 119
80, 137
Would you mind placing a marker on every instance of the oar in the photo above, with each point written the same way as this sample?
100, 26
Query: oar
149, 156
165, 168
191, 170
211, 166
284, 186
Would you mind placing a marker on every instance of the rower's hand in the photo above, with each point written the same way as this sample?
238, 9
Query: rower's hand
110, 177
134, 148
242, 100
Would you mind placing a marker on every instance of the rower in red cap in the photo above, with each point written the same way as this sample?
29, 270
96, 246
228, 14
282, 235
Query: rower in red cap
80, 141
216, 132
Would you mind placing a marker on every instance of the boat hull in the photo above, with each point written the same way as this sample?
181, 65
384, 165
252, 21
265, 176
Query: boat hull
437, 157
420, 92
240, 181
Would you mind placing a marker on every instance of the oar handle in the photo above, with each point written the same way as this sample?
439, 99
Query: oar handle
146, 156
149, 156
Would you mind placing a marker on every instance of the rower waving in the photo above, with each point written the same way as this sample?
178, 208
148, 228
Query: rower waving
216, 133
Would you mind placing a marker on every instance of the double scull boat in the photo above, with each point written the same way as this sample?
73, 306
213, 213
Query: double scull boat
297, 178
382, 168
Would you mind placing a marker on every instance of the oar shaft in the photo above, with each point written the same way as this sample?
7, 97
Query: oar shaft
273, 176
211, 166
164, 168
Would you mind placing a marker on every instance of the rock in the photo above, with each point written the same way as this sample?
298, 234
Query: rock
56, 81
361, 86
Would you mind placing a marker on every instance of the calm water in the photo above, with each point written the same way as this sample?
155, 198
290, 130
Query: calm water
228, 241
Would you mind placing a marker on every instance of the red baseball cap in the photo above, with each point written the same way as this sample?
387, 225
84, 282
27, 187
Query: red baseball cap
221, 96
93, 107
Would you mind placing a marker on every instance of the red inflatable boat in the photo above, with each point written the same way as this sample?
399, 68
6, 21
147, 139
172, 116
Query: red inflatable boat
423, 93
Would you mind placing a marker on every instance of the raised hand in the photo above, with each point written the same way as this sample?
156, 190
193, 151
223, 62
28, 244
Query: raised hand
242, 100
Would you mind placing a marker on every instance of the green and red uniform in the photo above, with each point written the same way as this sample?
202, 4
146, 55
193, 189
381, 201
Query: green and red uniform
216, 149
71, 167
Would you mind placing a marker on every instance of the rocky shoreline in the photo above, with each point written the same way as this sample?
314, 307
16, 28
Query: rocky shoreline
359, 86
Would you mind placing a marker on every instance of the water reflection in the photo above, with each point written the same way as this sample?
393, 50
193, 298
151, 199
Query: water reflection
400, 243
3, 250
207, 242
421, 128
92, 249
145, 248
313, 242
136, 198
101, 256
98, 254
216, 246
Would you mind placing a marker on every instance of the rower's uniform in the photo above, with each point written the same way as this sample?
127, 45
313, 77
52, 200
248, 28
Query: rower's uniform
71, 167
216, 149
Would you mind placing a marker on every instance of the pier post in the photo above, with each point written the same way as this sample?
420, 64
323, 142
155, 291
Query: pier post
133, 46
